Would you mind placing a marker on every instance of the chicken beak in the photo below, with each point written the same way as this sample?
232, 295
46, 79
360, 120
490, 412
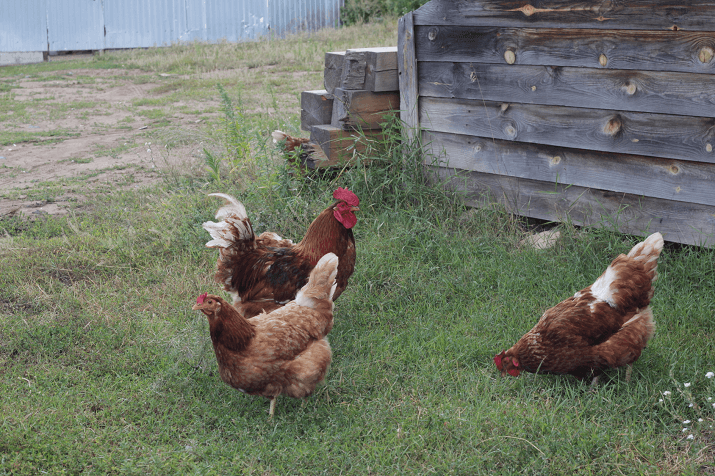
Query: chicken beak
197, 307
354, 209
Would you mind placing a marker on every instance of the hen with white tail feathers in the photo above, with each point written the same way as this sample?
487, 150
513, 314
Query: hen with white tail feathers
605, 325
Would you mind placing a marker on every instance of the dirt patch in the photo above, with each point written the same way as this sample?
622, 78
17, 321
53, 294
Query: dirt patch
85, 126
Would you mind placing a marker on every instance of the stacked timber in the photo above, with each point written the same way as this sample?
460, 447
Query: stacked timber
361, 88
601, 113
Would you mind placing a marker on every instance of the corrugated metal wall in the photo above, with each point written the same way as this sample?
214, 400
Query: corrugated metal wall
66, 25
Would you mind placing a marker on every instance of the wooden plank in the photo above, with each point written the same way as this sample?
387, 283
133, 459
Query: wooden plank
340, 146
333, 72
682, 51
363, 109
678, 221
657, 135
696, 15
316, 107
671, 93
652, 177
407, 70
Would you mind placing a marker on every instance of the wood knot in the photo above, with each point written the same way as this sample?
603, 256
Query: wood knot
555, 160
678, 189
528, 10
602, 60
533, 88
706, 54
709, 147
509, 57
674, 28
510, 131
473, 76
432, 35
613, 126
504, 107
673, 169
630, 88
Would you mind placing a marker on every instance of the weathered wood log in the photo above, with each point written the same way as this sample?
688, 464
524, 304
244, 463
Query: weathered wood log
677, 221
658, 178
683, 51
340, 146
641, 91
696, 15
316, 107
372, 69
361, 109
657, 135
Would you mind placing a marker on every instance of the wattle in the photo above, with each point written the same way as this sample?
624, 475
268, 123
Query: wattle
347, 219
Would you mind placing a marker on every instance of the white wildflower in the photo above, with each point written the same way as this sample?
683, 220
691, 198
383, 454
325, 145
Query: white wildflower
710, 399
690, 437
690, 406
687, 384
700, 419
710, 374
686, 422
684, 430
666, 393
660, 400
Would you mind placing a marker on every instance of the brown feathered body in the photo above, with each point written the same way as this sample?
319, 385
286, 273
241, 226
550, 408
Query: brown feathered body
281, 352
605, 325
265, 273
296, 149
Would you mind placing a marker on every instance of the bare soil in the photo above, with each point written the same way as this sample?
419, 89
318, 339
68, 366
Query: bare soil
107, 140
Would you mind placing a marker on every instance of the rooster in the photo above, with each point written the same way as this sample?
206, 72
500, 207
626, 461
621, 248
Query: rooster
266, 272
283, 352
606, 325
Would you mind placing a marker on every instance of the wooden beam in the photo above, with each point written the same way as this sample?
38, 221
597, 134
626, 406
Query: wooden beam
669, 179
407, 69
657, 135
363, 109
372, 69
682, 51
316, 107
657, 92
695, 15
333, 72
680, 222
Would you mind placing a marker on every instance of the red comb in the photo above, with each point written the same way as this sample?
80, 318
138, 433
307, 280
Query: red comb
497, 361
347, 196
200, 299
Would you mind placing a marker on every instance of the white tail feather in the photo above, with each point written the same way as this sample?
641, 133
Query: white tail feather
232, 207
321, 284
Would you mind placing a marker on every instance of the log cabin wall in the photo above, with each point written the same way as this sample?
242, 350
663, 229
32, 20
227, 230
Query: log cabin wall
600, 113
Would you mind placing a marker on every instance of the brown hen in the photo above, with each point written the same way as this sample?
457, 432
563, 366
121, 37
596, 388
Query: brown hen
265, 273
282, 352
605, 325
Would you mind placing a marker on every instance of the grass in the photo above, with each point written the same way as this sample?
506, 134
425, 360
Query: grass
106, 370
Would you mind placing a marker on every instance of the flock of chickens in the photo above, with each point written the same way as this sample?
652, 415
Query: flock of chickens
272, 339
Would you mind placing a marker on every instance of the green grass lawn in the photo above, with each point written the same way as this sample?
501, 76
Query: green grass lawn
104, 368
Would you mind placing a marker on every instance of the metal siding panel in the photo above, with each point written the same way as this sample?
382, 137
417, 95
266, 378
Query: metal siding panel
23, 25
75, 25
103, 24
